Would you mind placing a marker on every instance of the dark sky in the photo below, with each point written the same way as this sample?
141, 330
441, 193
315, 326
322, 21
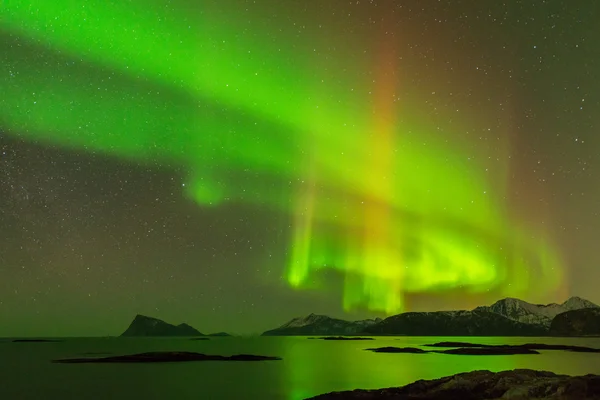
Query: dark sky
96, 225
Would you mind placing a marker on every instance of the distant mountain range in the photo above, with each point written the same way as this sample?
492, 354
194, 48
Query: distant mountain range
321, 325
507, 317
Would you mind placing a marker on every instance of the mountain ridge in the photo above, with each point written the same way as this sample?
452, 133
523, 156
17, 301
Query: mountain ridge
505, 317
143, 325
541, 314
315, 324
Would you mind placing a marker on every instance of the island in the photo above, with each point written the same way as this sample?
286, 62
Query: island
149, 326
165, 356
341, 338
466, 351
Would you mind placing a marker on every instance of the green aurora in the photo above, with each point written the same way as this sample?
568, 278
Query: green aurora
253, 120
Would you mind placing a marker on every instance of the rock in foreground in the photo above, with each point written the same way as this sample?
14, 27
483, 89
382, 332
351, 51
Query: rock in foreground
166, 356
519, 384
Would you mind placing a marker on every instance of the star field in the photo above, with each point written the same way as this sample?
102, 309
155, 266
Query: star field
233, 164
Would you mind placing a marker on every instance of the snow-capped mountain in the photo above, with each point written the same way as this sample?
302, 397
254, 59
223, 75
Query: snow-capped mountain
537, 314
506, 317
314, 324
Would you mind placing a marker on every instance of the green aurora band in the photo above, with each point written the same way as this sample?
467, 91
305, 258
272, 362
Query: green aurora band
252, 121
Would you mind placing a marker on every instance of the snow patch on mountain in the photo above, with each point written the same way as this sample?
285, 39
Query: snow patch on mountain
318, 319
537, 314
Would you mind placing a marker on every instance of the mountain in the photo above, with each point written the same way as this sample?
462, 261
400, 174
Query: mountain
582, 322
453, 323
320, 325
538, 314
148, 326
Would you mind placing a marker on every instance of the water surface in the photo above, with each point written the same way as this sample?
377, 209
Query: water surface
308, 368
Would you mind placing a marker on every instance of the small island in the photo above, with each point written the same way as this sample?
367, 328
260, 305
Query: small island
467, 351
165, 356
391, 349
528, 346
143, 326
341, 338
220, 334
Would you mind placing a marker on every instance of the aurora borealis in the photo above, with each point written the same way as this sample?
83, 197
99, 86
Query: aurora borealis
240, 162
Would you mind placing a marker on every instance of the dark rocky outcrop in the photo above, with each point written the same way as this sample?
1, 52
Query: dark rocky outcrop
519, 384
165, 356
453, 323
583, 322
530, 346
148, 326
320, 325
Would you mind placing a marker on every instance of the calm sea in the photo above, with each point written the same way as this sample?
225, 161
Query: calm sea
308, 368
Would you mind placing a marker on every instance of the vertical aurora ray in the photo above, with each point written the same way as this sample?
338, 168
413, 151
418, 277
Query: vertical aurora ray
379, 254
255, 122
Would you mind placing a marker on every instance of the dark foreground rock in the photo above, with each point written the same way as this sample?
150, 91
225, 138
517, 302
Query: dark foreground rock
166, 356
466, 351
36, 341
529, 346
341, 338
519, 384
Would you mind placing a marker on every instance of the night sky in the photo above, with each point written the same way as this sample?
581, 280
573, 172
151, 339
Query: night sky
233, 164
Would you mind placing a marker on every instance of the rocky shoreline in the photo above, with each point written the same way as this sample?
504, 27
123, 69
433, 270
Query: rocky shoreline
518, 384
